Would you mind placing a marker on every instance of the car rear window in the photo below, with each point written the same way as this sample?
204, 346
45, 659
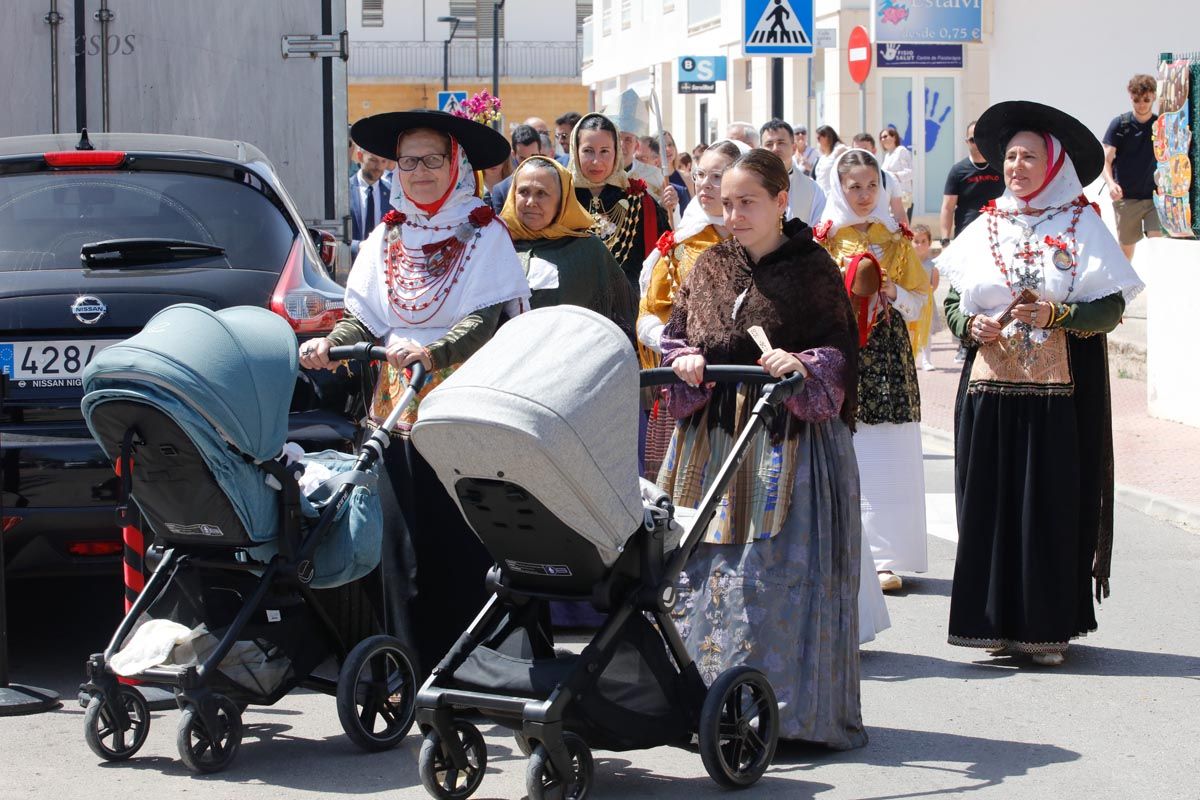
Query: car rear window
46, 217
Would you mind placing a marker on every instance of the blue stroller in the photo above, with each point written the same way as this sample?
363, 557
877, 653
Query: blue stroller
193, 412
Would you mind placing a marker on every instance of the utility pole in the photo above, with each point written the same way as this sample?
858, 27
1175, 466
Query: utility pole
496, 6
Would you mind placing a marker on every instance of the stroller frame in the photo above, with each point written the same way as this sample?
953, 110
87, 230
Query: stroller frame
647, 586
121, 707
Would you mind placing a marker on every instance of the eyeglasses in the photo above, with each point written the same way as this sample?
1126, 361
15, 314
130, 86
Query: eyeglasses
562, 137
701, 176
431, 161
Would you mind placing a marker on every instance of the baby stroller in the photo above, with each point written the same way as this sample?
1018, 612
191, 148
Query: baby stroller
193, 412
539, 448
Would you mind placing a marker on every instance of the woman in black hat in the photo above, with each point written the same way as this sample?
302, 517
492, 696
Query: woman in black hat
430, 283
1038, 281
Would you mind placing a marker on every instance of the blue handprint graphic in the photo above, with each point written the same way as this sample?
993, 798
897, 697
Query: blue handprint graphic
933, 122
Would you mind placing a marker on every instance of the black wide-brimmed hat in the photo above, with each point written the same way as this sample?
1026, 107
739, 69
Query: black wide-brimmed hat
378, 133
1001, 122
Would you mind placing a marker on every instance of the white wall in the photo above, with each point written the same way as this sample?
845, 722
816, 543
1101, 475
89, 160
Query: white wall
416, 20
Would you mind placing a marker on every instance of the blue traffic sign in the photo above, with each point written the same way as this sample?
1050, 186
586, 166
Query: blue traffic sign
702, 68
451, 101
778, 27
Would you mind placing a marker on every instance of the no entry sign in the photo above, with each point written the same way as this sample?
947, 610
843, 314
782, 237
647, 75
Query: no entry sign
858, 54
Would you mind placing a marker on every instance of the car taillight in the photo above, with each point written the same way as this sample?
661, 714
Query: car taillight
305, 309
10, 523
85, 158
92, 548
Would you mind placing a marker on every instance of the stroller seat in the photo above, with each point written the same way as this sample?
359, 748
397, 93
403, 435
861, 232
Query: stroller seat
543, 464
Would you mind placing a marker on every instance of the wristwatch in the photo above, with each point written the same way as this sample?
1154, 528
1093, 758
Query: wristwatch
945, 242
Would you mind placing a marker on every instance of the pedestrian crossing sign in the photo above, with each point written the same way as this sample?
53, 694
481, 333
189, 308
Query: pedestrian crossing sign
778, 27
451, 101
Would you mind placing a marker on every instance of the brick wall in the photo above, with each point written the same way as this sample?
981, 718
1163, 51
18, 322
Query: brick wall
520, 100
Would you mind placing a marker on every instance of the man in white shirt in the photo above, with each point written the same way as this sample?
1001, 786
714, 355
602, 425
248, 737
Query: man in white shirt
370, 197
806, 201
866, 141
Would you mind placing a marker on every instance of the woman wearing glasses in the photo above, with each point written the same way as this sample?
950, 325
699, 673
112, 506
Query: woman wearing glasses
663, 273
898, 160
429, 284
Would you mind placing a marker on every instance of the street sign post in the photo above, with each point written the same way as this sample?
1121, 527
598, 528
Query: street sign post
699, 74
858, 57
778, 27
450, 101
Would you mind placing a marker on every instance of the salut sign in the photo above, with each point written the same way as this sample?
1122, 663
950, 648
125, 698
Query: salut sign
699, 74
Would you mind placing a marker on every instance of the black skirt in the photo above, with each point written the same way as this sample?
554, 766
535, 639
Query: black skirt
449, 561
1034, 487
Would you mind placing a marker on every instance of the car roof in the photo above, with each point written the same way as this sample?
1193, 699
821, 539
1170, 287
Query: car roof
240, 152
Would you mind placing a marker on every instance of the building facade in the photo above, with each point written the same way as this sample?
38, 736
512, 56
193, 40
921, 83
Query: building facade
398, 54
638, 43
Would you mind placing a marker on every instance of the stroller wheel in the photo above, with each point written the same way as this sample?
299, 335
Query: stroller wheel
377, 693
109, 738
439, 776
523, 745
739, 727
542, 781
207, 751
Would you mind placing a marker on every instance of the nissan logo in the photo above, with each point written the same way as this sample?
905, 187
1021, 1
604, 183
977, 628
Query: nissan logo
88, 309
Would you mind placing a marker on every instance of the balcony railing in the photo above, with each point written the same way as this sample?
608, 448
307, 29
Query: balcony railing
470, 58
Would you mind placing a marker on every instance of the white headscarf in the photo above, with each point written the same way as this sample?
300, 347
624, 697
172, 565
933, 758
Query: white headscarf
695, 219
838, 211
1101, 268
492, 274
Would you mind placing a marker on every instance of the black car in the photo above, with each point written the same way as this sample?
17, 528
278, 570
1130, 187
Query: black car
96, 236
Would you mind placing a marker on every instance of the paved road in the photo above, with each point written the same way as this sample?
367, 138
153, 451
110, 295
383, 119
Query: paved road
1119, 720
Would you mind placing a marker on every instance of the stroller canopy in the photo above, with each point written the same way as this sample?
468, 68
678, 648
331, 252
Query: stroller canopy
235, 367
550, 404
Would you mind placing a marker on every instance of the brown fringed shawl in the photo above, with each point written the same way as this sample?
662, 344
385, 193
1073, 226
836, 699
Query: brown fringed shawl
796, 294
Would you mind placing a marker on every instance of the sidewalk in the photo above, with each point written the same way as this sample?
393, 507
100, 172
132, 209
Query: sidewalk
1157, 462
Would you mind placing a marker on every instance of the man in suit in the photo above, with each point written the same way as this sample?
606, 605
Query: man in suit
526, 142
370, 197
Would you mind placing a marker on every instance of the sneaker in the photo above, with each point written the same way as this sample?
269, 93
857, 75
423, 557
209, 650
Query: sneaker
961, 355
1048, 659
890, 581
927, 365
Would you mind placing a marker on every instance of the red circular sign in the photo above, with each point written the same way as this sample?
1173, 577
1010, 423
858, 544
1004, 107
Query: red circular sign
858, 54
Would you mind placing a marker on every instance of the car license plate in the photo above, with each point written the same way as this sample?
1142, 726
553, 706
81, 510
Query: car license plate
48, 364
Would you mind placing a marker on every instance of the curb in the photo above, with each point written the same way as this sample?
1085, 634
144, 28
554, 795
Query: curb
1160, 507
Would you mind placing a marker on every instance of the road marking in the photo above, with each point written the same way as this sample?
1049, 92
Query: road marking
940, 517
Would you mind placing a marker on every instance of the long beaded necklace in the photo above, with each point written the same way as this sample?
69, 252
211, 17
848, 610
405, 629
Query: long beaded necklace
422, 279
1028, 260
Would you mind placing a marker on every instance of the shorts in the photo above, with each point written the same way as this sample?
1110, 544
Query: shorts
1135, 219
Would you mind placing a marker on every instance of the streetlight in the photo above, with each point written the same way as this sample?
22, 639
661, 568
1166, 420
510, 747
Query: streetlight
446, 50
496, 6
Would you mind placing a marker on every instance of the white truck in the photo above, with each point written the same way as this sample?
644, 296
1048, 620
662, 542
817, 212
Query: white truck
268, 72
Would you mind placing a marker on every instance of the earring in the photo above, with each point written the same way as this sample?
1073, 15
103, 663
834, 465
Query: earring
781, 224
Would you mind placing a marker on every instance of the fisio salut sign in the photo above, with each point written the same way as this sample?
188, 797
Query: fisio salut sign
927, 20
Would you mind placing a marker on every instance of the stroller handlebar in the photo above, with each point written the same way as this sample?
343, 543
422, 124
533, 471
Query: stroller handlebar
730, 373
363, 351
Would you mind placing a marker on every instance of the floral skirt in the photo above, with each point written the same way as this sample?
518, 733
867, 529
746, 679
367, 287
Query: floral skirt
788, 605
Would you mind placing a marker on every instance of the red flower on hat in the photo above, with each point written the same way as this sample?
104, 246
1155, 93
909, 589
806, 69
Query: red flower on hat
637, 187
481, 216
821, 232
666, 242
394, 218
